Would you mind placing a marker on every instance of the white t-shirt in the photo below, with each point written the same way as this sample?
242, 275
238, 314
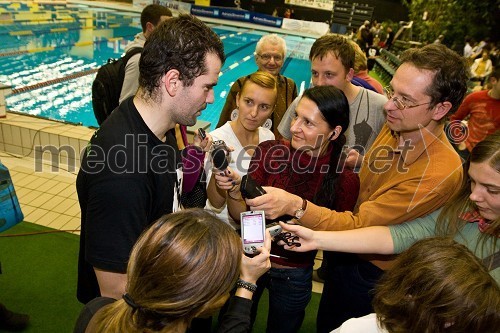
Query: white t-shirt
366, 324
240, 161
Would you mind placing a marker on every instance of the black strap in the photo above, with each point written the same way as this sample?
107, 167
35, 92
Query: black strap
130, 53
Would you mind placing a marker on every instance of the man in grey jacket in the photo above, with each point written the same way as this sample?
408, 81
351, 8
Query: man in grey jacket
151, 16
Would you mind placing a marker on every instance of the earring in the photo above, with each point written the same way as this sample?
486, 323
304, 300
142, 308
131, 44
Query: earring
234, 114
268, 124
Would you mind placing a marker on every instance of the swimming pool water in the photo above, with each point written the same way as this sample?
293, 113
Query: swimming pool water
49, 56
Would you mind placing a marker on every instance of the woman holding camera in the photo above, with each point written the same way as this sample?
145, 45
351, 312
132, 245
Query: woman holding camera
310, 165
256, 101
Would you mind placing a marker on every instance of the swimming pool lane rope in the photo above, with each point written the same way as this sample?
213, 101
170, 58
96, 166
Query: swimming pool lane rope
52, 48
111, 39
44, 31
94, 70
54, 81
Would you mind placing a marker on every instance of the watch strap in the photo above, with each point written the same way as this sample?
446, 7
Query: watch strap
299, 212
246, 285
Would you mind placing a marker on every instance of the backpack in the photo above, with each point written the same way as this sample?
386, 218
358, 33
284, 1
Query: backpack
107, 85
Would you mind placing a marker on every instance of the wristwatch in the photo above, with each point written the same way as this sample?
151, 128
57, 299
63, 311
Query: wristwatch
300, 212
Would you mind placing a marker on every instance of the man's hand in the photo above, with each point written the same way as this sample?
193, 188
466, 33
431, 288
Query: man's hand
354, 159
276, 202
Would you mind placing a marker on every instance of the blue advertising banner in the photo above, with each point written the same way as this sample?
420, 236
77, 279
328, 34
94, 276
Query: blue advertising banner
205, 11
268, 20
237, 15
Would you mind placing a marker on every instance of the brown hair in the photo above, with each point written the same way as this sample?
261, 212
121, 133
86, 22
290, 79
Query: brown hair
152, 14
450, 73
337, 45
182, 267
437, 285
262, 79
360, 61
180, 43
449, 221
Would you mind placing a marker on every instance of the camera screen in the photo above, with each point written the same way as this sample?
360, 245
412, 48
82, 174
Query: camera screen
253, 228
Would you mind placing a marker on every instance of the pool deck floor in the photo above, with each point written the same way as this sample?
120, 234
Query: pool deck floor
44, 182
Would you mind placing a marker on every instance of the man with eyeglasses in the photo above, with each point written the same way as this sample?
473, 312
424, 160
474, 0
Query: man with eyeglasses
410, 171
270, 53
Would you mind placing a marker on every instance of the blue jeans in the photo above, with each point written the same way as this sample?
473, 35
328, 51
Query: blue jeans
289, 293
347, 291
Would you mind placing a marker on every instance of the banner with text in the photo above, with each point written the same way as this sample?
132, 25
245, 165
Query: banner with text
237, 15
180, 7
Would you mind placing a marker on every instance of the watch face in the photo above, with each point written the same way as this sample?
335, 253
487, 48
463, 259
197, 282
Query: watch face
299, 213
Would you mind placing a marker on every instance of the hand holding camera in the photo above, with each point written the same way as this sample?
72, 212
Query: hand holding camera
220, 155
202, 140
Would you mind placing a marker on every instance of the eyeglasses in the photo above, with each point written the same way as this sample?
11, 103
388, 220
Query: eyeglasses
399, 103
267, 57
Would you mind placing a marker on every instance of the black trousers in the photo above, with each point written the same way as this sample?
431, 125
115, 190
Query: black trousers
347, 291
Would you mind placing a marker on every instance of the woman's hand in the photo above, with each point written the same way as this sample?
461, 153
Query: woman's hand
306, 238
354, 159
227, 179
203, 140
253, 268
276, 202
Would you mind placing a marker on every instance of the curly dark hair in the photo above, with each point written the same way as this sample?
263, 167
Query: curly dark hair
180, 43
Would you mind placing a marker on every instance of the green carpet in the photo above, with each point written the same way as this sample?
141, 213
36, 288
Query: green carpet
39, 279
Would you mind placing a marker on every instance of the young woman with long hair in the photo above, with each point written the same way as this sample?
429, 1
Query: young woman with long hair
255, 102
184, 266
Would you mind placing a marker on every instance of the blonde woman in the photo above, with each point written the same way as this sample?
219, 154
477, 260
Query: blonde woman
255, 102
